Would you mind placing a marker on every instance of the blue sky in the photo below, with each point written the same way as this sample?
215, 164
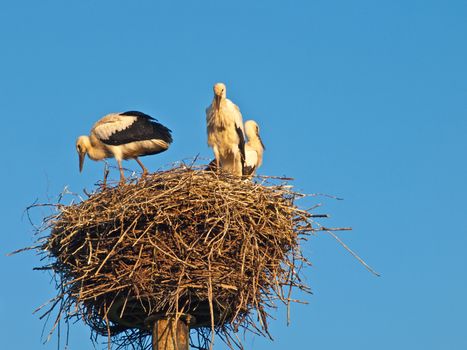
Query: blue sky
366, 100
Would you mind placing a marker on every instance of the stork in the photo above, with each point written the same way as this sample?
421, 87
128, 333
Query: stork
225, 132
127, 135
254, 148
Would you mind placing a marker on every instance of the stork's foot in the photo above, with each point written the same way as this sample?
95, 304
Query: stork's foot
145, 171
122, 181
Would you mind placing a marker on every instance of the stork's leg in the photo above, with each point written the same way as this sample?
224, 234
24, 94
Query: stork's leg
145, 171
237, 162
122, 176
217, 155
106, 173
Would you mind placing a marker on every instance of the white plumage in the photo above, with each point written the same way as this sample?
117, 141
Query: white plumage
225, 132
111, 124
127, 135
254, 148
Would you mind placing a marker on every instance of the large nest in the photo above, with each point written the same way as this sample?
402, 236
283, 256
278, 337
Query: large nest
217, 248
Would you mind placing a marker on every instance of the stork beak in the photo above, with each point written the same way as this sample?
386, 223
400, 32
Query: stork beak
218, 101
81, 161
261, 141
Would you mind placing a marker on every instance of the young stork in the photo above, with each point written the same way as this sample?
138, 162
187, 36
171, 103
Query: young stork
127, 135
254, 148
225, 132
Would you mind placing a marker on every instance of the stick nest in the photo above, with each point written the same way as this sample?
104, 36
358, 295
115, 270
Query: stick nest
214, 249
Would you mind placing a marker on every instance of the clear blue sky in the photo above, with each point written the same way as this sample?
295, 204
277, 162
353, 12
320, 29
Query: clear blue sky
366, 100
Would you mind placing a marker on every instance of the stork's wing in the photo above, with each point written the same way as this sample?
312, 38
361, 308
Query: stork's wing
241, 144
251, 157
249, 170
118, 129
241, 137
238, 120
251, 161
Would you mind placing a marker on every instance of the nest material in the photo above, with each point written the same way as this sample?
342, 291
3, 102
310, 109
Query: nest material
185, 241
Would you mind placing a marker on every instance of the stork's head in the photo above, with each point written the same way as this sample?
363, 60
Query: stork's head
219, 93
82, 145
252, 131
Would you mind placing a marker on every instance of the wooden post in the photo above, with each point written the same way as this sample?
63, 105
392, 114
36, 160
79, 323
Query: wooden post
166, 335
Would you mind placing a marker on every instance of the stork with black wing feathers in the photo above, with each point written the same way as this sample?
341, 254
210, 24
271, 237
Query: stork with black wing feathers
122, 136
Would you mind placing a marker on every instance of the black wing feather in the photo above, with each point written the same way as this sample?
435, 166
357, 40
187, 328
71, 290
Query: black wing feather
248, 170
137, 114
241, 146
144, 128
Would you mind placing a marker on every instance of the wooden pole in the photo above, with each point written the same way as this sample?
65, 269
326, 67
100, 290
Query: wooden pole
168, 334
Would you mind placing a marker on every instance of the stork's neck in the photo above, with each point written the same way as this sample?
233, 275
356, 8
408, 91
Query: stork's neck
256, 144
95, 149
220, 118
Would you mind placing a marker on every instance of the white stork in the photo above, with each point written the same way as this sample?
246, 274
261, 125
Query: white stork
225, 132
254, 148
127, 135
